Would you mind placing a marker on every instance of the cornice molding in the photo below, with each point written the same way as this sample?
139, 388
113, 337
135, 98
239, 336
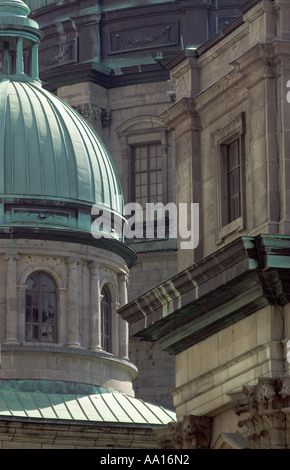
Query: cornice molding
219, 290
179, 112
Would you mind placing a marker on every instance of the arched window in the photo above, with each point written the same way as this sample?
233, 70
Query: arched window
40, 308
106, 313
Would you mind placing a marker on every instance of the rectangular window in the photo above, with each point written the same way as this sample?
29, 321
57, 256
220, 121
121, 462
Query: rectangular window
147, 171
230, 182
233, 181
229, 146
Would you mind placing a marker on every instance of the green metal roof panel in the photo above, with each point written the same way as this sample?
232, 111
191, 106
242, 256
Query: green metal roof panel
131, 410
23, 399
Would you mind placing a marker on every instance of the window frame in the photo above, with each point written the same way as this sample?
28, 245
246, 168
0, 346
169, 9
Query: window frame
37, 293
143, 130
106, 340
222, 138
149, 172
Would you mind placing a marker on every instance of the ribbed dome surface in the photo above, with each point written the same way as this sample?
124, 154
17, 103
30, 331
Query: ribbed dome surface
47, 150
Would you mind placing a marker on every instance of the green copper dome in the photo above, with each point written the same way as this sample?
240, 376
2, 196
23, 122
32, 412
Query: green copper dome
48, 150
53, 166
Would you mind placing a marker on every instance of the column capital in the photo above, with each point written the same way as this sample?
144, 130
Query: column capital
11, 255
193, 432
123, 277
263, 410
71, 260
94, 265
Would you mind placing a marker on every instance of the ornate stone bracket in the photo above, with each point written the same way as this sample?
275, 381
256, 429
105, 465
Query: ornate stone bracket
193, 432
264, 410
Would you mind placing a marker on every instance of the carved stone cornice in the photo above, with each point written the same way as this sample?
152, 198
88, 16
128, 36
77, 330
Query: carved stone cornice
179, 112
264, 410
193, 432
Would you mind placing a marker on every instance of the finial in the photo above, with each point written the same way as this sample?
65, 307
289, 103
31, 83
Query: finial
19, 39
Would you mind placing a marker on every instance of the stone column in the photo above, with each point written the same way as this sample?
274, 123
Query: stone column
19, 57
72, 305
115, 331
123, 325
95, 343
6, 59
34, 62
21, 298
61, 315
11, 296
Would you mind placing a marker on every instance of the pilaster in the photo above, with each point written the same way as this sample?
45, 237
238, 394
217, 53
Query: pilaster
11, 296
123, 325
72, 305
95, 308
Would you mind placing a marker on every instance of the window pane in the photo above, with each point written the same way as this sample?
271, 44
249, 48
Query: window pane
137, 165
144, 165
233, 155
153, 164
137, 153
28, 299
32, 283
47, 333
28, 314
153, 151
233, 181
143, 152
35, 315
144, 178
153, 190
148, 175
47, 283
234, 209
106, 320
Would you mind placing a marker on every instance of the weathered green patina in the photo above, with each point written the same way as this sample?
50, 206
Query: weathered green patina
53, 165
75, 403
219, 290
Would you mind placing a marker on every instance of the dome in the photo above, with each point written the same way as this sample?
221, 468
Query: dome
50, 152
50, 157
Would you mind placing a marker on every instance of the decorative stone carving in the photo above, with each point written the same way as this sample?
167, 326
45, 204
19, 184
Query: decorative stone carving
89, 111
265, 413
193, 432
106, 118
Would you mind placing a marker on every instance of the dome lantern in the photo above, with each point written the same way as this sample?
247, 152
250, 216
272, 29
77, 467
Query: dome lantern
19, 39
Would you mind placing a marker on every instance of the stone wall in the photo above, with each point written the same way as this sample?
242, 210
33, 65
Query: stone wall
79, 273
